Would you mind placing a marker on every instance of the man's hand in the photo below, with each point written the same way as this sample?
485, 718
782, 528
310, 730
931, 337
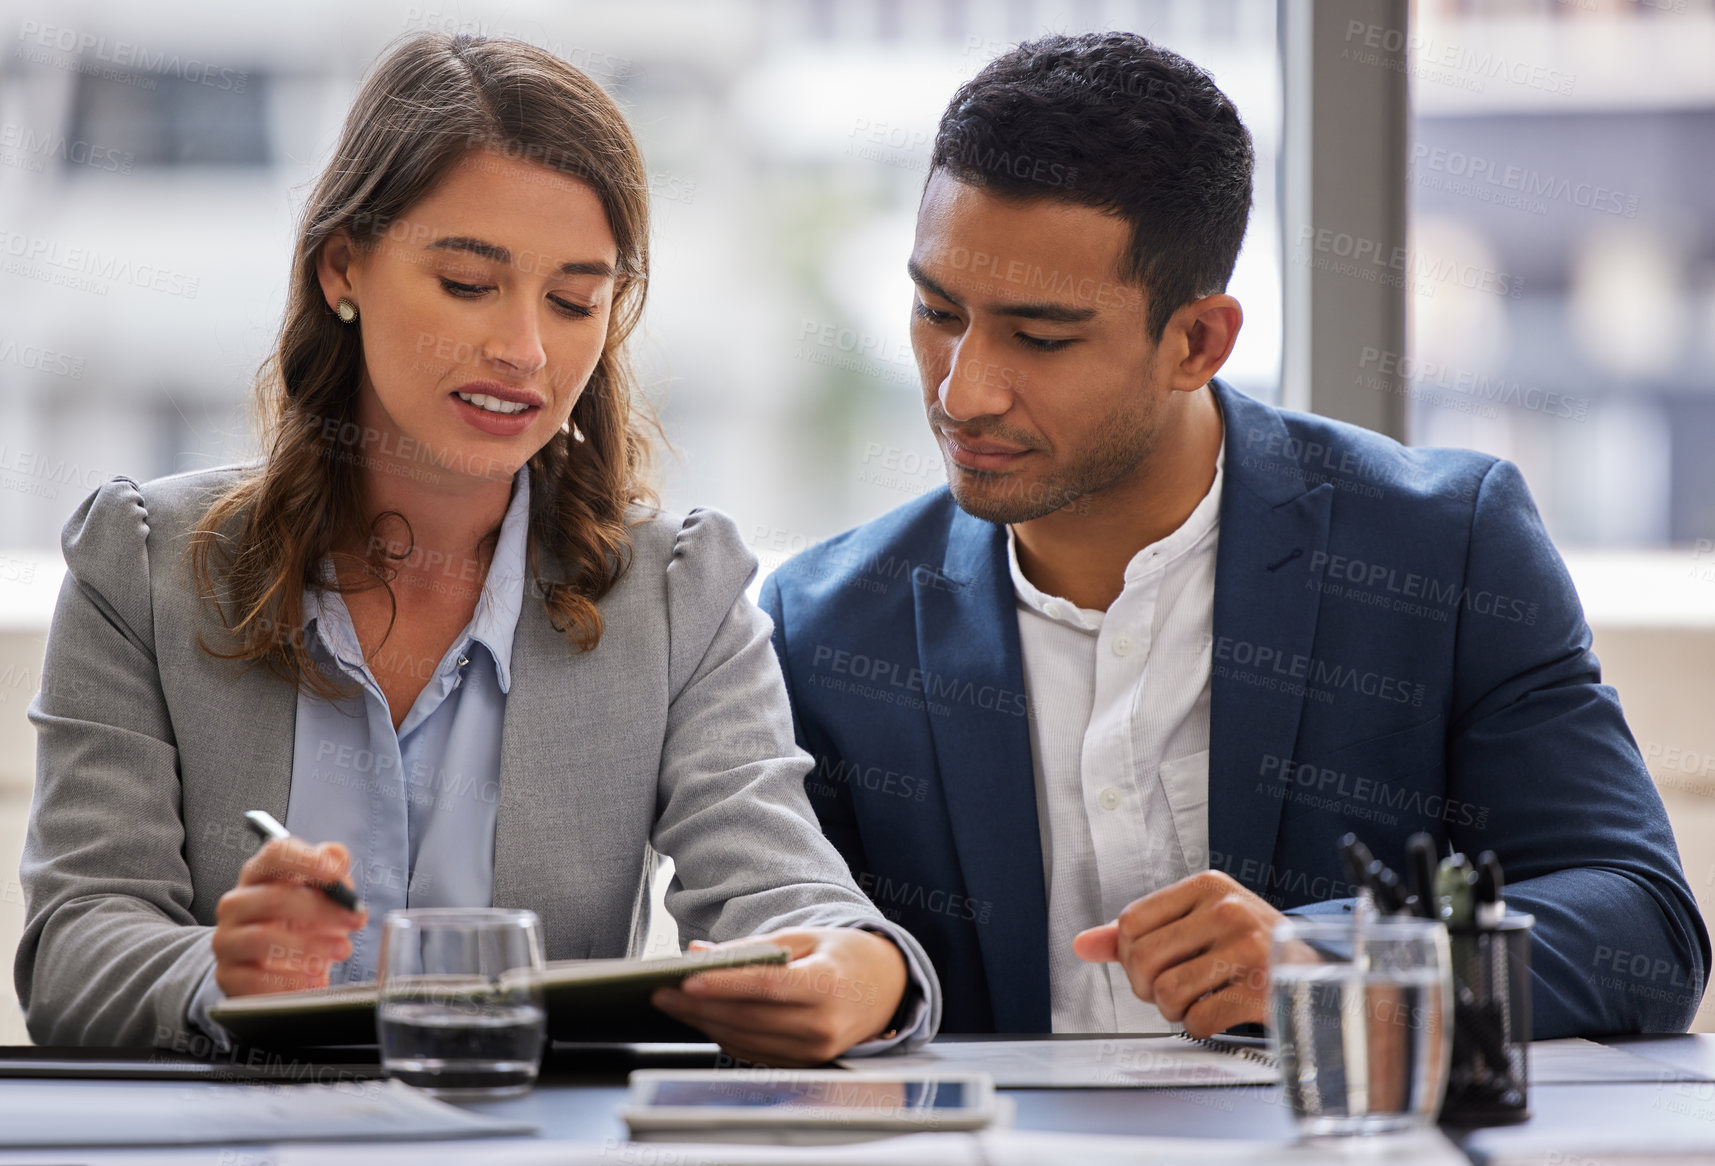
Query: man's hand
1197, 950
841, 988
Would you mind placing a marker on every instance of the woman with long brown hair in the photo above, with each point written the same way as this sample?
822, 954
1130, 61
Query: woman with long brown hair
440, 627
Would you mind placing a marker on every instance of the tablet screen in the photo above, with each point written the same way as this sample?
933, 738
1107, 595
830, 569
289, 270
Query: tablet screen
896, 1095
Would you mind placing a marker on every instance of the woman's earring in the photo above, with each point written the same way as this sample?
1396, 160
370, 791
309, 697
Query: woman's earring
346, 310
577, 434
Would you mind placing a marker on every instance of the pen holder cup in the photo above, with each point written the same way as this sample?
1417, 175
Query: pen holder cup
1489, 1079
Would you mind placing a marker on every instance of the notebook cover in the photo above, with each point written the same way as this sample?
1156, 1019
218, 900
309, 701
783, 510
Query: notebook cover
587, 1000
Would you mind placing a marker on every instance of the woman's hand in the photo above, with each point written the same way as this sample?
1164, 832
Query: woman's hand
275, 931
841, 988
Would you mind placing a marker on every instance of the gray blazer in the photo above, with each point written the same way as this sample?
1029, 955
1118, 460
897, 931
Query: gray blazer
674, 732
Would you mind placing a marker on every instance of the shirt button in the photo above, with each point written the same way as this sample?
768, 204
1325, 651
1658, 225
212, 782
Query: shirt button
1109, 799
1122, 646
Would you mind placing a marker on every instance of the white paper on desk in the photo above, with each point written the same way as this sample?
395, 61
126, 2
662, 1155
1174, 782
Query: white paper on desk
1576, 1061
930, 1149
40, 1113
990, 1148
1098, 1062
1032, 1147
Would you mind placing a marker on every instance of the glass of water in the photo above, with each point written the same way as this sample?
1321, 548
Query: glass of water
1362, 1020
460, 1011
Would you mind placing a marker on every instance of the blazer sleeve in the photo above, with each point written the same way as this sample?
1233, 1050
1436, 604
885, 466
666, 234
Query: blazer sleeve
111, 953
831, 800
1540, 741
748, 855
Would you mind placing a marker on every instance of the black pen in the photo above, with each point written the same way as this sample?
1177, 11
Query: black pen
267, 827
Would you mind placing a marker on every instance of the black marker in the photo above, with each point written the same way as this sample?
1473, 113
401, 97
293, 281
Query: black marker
1420, 869
267, 827
1389, 892
1490, 906
1355, 857
1367, 872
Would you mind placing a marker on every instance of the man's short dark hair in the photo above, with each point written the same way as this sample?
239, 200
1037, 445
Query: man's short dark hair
1110, 121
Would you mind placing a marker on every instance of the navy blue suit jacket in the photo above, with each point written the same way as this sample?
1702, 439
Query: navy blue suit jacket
1397, 647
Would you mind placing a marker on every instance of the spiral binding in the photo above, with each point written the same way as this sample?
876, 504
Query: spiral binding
1216, 1045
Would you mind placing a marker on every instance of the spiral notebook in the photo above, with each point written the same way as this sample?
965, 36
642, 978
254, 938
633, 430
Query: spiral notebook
1094, 1062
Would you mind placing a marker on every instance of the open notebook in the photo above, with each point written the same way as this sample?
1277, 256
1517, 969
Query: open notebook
1095, 1061
588, 1000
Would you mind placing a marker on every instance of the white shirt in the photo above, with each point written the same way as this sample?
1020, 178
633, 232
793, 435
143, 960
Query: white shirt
1119, 737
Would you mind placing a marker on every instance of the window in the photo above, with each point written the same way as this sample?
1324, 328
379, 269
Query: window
1568, 150
195, 115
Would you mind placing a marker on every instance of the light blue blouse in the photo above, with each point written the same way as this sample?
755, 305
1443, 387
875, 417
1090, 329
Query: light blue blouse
417, 808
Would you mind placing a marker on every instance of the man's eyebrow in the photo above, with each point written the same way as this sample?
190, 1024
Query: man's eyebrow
500, 254
923, 281
1053, 313
1041, 310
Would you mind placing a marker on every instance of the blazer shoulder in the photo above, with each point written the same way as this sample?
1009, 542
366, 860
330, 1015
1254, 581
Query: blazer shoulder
1425, 468
127, 537
177, 502
652, 531
704, 536
1266, 445
700, 556
123, 513
687, 581
891, 546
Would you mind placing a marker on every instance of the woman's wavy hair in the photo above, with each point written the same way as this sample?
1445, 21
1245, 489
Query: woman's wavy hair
428, 102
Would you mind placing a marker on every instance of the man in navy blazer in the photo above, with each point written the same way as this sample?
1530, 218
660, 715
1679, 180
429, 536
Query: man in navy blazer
1091, 718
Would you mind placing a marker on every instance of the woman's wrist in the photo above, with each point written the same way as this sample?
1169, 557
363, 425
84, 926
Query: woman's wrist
906, 999
909, 1001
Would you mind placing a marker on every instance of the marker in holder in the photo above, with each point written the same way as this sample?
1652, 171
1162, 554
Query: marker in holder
1488, 1082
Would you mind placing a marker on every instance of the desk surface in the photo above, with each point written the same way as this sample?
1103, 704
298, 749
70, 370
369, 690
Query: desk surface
579, 1096
583, 1108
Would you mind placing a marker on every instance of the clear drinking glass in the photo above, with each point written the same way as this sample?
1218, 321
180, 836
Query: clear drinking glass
460, 1010
1362, 1011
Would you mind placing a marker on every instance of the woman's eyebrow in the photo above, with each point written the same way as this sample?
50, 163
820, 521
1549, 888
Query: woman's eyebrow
499, 254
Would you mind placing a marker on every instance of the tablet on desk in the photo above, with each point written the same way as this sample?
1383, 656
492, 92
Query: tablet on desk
803, 1105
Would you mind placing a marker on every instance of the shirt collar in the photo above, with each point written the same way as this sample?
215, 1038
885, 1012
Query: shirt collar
1052, 606
1154, 557
502, 599
497, 608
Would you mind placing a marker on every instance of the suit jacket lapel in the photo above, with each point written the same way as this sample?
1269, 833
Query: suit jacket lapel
539, 755
967, 640
270, 737
1272, 527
